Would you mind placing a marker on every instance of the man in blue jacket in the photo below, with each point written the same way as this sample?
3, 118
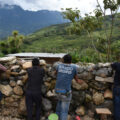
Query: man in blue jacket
116, 90
66, 72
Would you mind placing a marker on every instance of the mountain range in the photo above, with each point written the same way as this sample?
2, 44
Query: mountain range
13, 17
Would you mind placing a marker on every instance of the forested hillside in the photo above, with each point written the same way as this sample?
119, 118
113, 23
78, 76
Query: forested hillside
57, 39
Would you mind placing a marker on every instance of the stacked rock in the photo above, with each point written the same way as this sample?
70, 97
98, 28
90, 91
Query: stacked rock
12, 86
95, 92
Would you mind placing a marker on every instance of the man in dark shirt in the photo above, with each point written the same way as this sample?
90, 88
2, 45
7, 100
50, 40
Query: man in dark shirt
33, 89
116, 90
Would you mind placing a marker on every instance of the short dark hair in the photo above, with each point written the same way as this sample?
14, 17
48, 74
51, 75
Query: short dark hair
35, 62
67, 58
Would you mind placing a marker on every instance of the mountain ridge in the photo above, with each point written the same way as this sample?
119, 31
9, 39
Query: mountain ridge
15, 18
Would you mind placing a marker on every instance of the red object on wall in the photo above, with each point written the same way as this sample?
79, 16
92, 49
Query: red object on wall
77, 118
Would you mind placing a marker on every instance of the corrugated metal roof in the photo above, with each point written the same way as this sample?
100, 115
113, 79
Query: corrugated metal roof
48, 55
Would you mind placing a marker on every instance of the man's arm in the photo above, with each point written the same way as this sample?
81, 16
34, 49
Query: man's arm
78, 80
25, 78
55, 72
76, 76
2, 68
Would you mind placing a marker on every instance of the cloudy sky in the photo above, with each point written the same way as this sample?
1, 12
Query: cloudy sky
85, 6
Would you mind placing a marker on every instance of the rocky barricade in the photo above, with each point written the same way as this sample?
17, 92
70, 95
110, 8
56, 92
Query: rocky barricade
95, 92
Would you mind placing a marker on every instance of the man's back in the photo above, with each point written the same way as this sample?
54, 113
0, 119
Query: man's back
35, 78
65, 75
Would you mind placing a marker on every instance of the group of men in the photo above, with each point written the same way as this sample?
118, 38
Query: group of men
65, 73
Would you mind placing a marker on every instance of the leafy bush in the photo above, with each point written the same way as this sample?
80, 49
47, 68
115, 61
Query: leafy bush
12, 44
1, 54
75, 56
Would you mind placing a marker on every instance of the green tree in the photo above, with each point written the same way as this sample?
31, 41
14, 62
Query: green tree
12, 44
112, 6
95, 21
4, 47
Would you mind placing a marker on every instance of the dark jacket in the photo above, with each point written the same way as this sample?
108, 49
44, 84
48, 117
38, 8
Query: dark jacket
35, 79
116, 67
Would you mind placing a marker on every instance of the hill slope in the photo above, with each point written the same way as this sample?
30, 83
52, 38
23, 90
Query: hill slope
57, 39
15, 18
53, 39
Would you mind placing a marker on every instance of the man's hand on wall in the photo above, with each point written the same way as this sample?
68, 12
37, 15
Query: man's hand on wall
80, 81
25, 78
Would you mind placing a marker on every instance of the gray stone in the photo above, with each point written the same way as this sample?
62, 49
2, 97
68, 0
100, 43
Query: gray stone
18, 90
87, 118
80, 111
12, 83
47, 105
22, 72
19, 78
6, 90
86, 76
48, 79
51, 93
89, 68
80, 69
19, 83
42, 62
12, 62
10, 118
108, 104
88, 98
103, 72
9, 112
15, 68
12, 78
4, 78
7, 59
44, 89
78, 86
100, 65
22, 107
108, 94
43, 118
27, 65
98, 98
78, 97
98, 85
108, 79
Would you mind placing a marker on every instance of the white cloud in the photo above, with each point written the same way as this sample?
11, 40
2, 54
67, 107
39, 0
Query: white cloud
85, 6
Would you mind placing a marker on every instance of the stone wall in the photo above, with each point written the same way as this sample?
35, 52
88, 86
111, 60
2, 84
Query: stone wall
95, 92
